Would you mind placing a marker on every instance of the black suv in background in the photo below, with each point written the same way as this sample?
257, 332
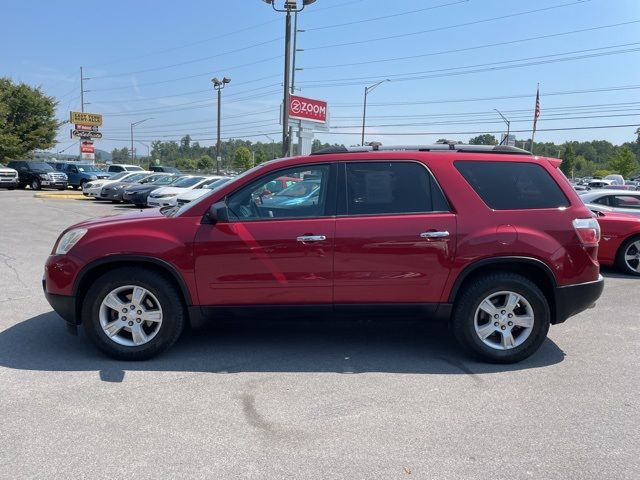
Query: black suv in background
38, 174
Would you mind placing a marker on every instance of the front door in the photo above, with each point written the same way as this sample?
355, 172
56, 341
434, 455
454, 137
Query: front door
277, 248
395, 235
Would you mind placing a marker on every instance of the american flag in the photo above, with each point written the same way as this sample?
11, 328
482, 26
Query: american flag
537, 112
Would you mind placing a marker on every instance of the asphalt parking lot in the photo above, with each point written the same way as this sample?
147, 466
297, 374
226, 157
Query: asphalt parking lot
311, 400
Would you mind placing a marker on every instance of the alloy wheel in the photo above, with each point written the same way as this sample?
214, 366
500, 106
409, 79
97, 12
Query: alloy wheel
504, 320
130, 315
632, 256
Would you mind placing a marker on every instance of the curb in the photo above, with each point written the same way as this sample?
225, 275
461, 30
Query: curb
62, 196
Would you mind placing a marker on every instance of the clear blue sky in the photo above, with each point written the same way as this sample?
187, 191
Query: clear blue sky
155, 59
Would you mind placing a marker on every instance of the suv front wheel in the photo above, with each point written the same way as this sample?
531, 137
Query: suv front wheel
501, 318
133, 313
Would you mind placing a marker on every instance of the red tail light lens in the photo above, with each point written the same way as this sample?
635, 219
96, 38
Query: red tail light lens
588, 230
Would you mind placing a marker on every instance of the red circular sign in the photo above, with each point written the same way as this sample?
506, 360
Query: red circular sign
296, 106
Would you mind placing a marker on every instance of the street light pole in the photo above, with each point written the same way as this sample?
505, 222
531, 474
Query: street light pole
289, 6
364, 111
218, 85
508, 127
133, 125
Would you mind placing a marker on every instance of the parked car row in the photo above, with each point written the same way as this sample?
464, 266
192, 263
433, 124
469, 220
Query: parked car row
609, 182
146, 188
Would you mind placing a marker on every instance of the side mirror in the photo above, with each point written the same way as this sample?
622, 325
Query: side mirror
217, 213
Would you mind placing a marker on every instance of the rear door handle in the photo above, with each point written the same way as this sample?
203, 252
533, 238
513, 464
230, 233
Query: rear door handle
311, 238
434, 234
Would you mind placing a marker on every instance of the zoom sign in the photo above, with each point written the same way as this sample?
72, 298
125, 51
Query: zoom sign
308, 109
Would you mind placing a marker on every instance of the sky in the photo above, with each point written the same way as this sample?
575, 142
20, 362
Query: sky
450, 64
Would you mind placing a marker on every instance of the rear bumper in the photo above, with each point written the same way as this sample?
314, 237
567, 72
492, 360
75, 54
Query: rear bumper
573, 299
63, 305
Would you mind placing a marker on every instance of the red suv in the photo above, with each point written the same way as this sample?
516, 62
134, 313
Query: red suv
492, 239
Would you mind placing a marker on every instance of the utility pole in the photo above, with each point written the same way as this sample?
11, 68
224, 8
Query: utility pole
293, 74
81, 90
364, 111
133, 125
289, 6
506, 139
218, 85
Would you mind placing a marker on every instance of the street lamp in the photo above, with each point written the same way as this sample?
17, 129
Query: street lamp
506, 139
218, 85
133, 125
364, 111
289, 6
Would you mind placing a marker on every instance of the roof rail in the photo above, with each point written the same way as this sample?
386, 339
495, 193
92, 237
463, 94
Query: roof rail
438, 147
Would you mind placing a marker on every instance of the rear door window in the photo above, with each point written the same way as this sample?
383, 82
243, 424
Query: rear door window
387, 188
512, 185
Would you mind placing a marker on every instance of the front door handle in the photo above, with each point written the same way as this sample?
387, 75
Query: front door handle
311, 238
434, 234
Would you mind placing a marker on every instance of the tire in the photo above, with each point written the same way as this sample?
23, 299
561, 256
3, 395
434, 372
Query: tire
35, 184
470, 321
157, 335
631, 246
82, 184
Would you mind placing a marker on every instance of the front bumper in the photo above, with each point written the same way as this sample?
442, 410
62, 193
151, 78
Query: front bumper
162, 202
9, 181
136, 198
53, 184
111, 195
63, 305
573, 299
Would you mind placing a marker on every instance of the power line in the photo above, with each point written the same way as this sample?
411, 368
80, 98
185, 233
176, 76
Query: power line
474, 132
465, 24
481, 67
482, 99
466, 49
385, 17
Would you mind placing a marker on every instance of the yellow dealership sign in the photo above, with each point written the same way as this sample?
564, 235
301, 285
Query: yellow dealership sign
82, 118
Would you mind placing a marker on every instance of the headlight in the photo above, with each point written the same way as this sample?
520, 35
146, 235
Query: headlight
44, 176
69, 239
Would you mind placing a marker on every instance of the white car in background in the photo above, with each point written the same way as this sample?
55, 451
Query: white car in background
618, 201
191, 195
94, 187
167, 196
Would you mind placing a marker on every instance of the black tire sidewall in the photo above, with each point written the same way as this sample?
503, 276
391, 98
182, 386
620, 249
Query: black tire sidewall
464, 316
170, 301
35, 184
620, 261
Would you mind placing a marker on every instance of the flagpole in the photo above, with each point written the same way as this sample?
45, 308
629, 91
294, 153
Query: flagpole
536, 114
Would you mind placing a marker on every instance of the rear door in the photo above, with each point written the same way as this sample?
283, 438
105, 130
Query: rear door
395, 234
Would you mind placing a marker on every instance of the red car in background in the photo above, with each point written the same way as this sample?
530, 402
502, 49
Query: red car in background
619, 241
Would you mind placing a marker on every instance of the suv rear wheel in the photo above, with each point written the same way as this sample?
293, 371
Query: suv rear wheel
133, 313
502, 318
35, 184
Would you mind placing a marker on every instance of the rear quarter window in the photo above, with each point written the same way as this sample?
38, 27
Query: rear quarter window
512, 185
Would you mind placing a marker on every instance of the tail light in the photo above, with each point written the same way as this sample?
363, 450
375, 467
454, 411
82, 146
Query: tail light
588, 230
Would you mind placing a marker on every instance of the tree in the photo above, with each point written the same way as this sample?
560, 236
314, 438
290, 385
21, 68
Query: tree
568, 160
205, 162
624, 162
242, 159
27, 120
186, 164
120, 155
486, 139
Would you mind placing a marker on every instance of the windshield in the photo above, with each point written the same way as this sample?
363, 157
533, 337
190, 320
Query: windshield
120, 175
136, 177
153, 178
216, 183
165, 180
88, 168
188, 182
41, 166
133, 168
